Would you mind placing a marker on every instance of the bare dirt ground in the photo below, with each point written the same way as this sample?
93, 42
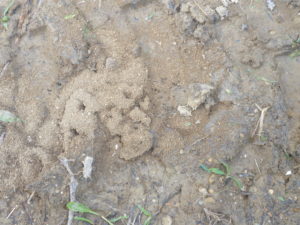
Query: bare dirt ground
151, 90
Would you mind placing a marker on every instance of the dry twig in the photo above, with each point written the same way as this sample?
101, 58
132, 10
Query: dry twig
73, 187
260, 123
214, 218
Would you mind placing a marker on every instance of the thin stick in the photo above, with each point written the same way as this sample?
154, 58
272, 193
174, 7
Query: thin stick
257, 166
260, 123
30, 197
4, 68
201, 9
73, 187
11, 212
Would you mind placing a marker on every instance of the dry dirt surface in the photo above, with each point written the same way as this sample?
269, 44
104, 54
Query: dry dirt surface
151, 93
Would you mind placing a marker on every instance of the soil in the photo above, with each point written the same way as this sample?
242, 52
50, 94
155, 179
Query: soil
151, 90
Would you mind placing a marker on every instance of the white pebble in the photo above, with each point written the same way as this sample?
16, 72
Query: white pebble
87, 167
288, 173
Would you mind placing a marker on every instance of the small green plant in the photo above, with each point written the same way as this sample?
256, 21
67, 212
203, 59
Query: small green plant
5, 18
147, 214
226, 173
70, 16
8, 117
81, 208
78, 207
296, 46
83, 219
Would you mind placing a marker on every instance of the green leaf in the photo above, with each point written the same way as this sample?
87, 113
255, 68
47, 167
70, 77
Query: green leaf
78, 207
148, 220
212, 170
4, 19
144, 211
295, 53
5, 25
83, 219
8, 8
71, 16
8, 117
216, 171
237, 182
228, 169
280, 198
114, 220
202, 166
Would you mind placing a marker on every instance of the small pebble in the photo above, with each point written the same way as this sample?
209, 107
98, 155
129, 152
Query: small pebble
211, 191
209, 200
111, 63
271, 191
288, 173
222, 11
166, 220
181, 151
245, 27
203, 191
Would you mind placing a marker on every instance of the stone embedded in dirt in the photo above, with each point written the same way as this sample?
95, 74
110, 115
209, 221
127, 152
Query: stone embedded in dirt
200, 94
170, 4
185, 7
111, 63
222, 11
189, 98
197, 14
244, 27
271, 4
166, 220
184, 110
211, 15
188, 23
225, 2
87, 167
194, 11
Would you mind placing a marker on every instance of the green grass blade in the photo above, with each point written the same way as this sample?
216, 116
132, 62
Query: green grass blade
295, 53
148, 220
78, 207
227, 167
114, 220
217, 171
237, 182
83, 219
8, 7
212, 170
8, 117
144, 211
71, 16
202, 166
